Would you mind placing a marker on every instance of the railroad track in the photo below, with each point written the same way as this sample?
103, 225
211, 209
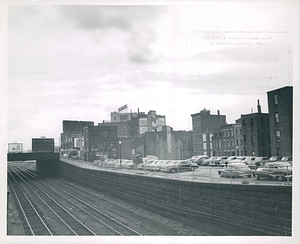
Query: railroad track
154, 226
115, 227
130, 218
33, 223
66, 218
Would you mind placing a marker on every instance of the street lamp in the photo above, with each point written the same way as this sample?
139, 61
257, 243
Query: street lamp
120, 153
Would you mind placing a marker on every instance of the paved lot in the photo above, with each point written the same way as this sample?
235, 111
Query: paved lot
202, 174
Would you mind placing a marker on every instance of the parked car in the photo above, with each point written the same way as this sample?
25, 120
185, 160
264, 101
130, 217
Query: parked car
275, 170
162, 164
288, 159
156, 166
179, 166
127, 164
227, 160
198, 159
274, 158
217, 161
151, 165
260, 160
207, 161
249, 160
146, 162
235, 170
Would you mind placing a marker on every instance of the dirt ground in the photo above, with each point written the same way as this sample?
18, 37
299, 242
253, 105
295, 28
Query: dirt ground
14, 224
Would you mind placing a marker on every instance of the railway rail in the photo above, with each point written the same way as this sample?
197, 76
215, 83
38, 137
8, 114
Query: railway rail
55, 195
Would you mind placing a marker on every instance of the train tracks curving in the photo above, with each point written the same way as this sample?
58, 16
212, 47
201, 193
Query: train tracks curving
78, 212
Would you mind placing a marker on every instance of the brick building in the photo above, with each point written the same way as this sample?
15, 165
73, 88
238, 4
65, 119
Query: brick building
168, 144
228, 141
204, 125
280, 103
256, 134
146, 123
100, 141
72, 135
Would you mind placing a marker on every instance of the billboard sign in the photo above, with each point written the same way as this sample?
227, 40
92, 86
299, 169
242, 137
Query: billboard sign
15, 147
125, 107
78, 142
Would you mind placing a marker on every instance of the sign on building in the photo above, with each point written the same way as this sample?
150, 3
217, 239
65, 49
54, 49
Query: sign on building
123, 108
78, 142
15, 147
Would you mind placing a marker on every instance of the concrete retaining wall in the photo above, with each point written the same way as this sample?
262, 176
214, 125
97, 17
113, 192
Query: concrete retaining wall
256, 209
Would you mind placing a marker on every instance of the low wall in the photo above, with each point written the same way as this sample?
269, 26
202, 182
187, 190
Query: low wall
252, 209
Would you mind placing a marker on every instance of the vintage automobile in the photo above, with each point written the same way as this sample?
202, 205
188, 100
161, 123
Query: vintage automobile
217, 161
198, 159
235, 170
227, 160
179, 166
288, 159
208, 161
275, 170
127, 164
145, 163
274, 158
152, 164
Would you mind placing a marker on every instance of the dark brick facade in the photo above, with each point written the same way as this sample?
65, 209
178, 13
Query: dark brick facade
100, 141
256, 134
280, 104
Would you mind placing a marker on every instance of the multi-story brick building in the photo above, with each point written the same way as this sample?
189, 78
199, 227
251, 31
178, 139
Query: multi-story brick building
204, 125
168, 144
100, 141
72, 135
146, 123
280, 103
185, 141
256, 134
217, 144
228, 141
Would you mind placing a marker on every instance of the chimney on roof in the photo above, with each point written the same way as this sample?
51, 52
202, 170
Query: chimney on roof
258, 107
218, 112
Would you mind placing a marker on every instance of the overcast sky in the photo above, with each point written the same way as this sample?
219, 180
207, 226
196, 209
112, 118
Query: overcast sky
84, 62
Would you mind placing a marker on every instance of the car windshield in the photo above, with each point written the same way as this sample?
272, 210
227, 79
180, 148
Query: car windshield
286, 159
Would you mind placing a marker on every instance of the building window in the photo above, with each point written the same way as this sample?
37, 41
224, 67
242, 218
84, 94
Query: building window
275, 99
252, 138
276, 115
245, 138
278, 152
204, 146
244, 122
251, 122
277, 135
231, 131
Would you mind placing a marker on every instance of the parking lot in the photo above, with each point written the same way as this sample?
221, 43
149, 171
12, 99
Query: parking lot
201, 174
